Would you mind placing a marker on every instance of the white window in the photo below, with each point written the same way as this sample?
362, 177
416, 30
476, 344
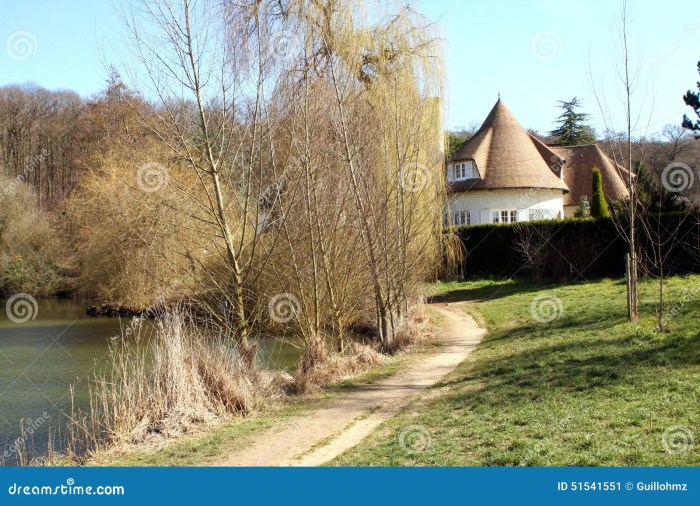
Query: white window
471, 172
543, 214
464, 170
504, 216
462, 219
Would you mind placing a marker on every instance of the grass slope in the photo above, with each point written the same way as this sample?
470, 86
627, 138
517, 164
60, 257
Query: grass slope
588, 388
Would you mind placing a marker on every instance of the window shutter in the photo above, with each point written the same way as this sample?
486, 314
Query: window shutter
484, 217
522, 214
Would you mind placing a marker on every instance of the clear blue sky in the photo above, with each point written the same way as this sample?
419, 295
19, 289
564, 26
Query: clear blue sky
534, 52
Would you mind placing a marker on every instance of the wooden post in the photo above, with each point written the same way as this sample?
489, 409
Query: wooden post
629, 287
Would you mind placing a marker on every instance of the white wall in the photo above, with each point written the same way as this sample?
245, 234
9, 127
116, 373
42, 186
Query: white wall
490, 200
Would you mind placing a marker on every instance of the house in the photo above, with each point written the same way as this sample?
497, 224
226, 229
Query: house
505, 175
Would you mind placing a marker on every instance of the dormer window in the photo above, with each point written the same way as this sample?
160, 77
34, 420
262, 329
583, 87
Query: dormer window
463, 170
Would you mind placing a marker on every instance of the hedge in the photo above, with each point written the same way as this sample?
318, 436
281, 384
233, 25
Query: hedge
580, 249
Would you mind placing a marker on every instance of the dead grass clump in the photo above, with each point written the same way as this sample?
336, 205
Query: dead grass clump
362, 356
337, 367
411, 332
165, 381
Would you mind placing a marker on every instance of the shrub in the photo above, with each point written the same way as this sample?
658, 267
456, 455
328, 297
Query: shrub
584, 209
578, 249
33, 258
599, 207
136, 247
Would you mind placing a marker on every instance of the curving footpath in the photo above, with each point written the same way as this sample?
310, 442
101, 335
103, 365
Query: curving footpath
316, 438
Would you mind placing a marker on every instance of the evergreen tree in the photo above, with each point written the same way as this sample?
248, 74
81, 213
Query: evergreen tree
599, 207
692, 99
453, 142
573, 129
584, 208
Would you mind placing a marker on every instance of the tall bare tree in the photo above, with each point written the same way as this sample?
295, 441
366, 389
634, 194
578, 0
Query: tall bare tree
628, 72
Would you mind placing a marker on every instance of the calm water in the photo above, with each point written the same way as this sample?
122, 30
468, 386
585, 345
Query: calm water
41, 358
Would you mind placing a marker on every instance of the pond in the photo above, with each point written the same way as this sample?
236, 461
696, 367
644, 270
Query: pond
41, 358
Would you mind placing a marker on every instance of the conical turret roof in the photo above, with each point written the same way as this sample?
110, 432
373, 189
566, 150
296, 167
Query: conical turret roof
506, 156
578, 173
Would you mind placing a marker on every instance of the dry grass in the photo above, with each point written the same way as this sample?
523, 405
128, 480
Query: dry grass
360, 357
412, 331
181, 384
336, 367
175, 379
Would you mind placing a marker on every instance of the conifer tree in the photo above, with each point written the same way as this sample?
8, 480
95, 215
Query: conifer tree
599, 207
573, 129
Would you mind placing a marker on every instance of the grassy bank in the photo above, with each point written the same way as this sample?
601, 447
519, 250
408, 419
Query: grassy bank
211, 446
587, 388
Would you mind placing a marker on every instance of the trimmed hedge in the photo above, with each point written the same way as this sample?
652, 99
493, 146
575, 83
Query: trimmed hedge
579, 249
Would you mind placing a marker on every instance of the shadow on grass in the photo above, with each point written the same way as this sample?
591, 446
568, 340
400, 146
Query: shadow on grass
589, 347
535, 372
484, 293
502, 289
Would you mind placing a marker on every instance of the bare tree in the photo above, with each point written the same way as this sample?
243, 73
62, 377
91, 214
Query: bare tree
207, 63
628, 73
678, 141
313, 143
534, 247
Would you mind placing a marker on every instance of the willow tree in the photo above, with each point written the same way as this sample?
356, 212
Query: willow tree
313, 130
206, 64
385, 74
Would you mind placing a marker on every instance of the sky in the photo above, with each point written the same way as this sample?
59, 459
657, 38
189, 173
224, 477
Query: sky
532, 52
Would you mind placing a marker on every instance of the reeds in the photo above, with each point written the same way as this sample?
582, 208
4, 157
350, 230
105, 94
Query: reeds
166, 379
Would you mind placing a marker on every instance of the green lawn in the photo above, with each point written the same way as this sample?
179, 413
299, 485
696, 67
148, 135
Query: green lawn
587, 388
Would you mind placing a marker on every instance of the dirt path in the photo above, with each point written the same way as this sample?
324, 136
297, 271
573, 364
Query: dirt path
318, 437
